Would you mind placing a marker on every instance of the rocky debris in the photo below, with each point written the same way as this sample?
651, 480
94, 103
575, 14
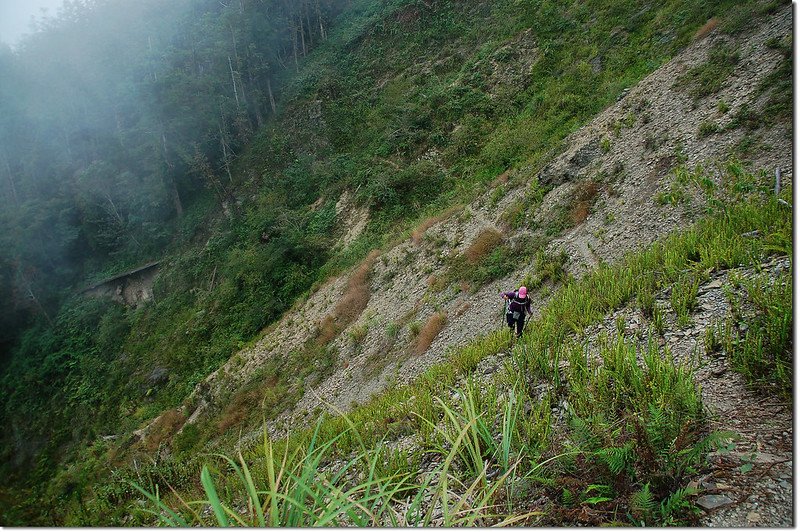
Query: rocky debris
629, 172
557, 173
158, 376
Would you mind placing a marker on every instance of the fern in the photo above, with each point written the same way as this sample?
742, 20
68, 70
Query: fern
658, 429
676, 506
567, 499
617, 458
688, 458
643, 502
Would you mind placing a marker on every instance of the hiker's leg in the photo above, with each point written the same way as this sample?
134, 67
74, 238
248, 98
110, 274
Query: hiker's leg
510, 321
520, 323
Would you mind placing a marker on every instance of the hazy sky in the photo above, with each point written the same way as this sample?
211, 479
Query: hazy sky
15, 16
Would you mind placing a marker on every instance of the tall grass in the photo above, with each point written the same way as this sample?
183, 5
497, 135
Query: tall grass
621, 425
758, 340
311, 487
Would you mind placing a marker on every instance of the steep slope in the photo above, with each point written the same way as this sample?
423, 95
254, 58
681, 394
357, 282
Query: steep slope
626, 158
626, 179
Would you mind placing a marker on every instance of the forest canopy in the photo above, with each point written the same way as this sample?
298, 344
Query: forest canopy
115, 117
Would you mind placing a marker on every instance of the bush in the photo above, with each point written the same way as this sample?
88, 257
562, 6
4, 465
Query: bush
707, 128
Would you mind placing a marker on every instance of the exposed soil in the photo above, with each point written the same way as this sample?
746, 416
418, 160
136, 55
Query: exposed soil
631, 148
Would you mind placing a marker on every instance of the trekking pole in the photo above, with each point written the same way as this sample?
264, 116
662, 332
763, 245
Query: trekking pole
524, 323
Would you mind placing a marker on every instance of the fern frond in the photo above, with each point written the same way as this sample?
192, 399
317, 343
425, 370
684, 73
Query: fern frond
567, 499
643, 502
616, 458
674, 507
692, 455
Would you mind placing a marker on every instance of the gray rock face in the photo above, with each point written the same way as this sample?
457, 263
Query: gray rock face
556, 173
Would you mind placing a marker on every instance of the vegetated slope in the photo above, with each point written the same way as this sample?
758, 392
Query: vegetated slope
613, 190
645, 167
305, 356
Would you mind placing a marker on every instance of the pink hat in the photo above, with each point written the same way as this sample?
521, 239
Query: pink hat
523, 291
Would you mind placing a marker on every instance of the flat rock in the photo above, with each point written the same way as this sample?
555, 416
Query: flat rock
709, 502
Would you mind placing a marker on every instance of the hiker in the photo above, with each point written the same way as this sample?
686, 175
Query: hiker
519, 305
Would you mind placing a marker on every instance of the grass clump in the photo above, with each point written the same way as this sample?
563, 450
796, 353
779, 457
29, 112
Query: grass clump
486, 241
353, 302
707, 128
683, 298
706, 28
430, 331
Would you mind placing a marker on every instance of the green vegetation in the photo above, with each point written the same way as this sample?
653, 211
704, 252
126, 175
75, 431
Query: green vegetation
758, 337
706, 79
409, 106
634, 431
778, 90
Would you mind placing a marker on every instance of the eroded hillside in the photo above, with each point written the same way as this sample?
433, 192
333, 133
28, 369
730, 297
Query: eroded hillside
654, 240
622, 182
607, 194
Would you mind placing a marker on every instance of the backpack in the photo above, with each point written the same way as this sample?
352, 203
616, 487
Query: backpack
516, 305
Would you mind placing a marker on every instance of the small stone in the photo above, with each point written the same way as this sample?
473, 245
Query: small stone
785, 485
709, 502
719, 372
753, 517
765, 458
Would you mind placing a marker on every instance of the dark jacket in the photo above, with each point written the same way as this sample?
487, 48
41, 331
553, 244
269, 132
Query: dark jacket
517, 304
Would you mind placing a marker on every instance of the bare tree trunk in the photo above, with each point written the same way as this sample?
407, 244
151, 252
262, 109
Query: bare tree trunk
303, 32
256, 100
150, 49
176, 197
233, 79
271, 98
308, 25
319, 19
119, 127
29, 290
164, 146
225, 157
294, 47
235, 50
